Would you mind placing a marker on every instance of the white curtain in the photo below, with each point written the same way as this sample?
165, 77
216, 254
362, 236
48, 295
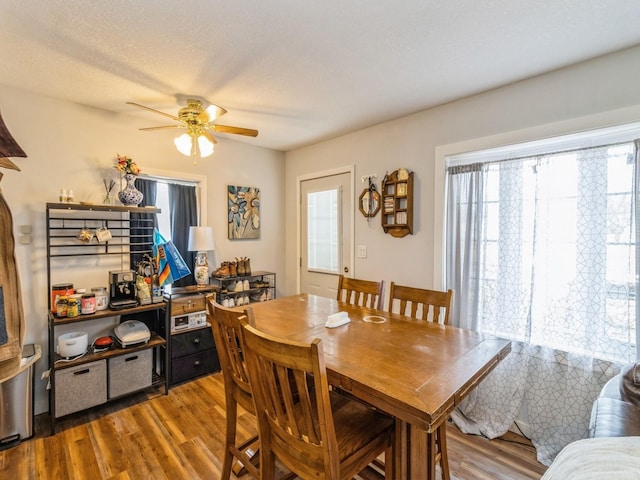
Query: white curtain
542, 250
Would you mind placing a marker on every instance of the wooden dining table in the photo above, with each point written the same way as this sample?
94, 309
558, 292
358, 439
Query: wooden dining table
415, 371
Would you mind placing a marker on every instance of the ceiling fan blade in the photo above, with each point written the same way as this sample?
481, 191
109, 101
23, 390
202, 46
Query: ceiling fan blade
211, 113
163, 127
209, 137
173, 117
249, 132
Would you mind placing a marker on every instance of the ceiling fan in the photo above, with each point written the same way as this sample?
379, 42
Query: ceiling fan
198, 122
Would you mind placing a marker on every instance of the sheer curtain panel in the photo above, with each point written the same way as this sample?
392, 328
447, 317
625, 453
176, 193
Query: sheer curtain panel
542, 250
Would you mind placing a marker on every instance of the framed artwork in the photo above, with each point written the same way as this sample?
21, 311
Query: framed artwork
244, 212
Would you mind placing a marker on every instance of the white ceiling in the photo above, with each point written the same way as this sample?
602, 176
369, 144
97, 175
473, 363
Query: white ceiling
299, 71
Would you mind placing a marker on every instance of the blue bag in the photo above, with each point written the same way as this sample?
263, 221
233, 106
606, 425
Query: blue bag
170, 264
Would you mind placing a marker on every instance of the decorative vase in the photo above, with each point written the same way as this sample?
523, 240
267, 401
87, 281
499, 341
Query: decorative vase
130, 196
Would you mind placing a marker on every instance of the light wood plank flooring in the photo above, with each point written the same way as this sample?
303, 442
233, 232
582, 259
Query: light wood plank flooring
181, 435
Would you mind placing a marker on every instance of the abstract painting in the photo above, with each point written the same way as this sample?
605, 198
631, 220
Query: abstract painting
244, 212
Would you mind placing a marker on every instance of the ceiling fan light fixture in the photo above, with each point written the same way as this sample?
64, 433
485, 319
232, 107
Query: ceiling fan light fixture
206, 147
198, 140
183, 144
194, 146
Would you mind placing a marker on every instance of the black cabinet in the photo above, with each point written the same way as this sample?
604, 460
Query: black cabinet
193, 353
192, 350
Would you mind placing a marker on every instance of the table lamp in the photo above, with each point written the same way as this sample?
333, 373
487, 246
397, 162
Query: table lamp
201, 241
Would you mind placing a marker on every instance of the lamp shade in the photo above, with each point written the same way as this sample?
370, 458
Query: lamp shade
194, 145
201, 239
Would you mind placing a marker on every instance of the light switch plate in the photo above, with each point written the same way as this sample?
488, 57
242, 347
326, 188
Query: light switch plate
362, 251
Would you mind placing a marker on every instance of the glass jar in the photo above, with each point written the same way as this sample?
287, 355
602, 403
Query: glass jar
88, 304
73, 308
61, 306
59, 290
101, 297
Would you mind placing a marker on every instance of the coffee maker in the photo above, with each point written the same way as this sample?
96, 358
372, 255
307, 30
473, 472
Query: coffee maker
122, 288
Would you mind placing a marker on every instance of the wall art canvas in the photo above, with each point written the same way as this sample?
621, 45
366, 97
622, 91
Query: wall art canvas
244, 212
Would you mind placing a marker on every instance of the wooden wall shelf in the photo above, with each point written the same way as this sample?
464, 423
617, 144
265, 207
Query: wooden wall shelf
397, 203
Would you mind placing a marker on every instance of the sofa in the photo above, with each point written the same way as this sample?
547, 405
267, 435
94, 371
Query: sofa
616, 411
612, 450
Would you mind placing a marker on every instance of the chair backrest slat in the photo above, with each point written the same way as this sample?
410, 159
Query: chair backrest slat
421, 304
366, 293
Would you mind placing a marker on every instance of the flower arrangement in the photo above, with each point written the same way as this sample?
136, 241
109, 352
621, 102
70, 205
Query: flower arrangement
127, 166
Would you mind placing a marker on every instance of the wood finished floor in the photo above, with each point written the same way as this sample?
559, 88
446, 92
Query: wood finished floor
180, 436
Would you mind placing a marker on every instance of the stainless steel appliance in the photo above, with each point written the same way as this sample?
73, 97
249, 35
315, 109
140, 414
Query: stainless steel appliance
122, 290
16, 402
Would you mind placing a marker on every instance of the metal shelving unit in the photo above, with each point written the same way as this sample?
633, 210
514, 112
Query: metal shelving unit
63, 222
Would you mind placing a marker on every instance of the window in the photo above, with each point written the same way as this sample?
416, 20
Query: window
546, 248
323, 231
164, 217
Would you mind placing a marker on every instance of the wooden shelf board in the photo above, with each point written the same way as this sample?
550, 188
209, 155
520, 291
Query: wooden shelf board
154, 341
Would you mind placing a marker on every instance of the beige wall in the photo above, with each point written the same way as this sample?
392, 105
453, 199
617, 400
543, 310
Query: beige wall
589, 95
72, 146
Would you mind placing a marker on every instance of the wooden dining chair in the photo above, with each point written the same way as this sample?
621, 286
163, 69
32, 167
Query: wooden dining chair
226, 328
314, 432
366, 293
420, 303
428, 306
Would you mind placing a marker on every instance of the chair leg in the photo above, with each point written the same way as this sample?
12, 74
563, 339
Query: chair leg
230, 440
441, 440
267, 465
389, 463
432, 454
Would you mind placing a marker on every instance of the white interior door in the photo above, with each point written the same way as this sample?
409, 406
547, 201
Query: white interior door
326, 207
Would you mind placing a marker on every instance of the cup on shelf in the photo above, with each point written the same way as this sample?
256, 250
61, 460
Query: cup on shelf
103, 234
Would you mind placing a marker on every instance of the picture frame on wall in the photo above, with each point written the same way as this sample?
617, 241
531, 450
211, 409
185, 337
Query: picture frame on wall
243, 204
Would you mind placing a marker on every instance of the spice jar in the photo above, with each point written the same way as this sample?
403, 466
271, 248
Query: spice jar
101, 297
88, 304
61, 306
73, 309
